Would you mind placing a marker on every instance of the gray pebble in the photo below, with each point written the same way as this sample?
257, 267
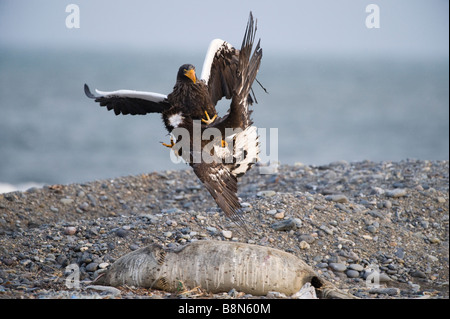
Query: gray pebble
92, 199
103, 265
372, 229
81, 194
134, 247
268, 193
385, 291
298, 222
306, 237
395, 193
400, 253
352, 273
66, 201
171, 211
70, 230
122, 233
284, 225
105, 289
92, 267
337, 198
84, 206
385, 277
356, 267
227, 234
418, 274
326, 229
304, 245
338, 267
54, 209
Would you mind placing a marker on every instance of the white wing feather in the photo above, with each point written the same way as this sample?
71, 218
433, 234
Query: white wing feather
212, 49
149, 96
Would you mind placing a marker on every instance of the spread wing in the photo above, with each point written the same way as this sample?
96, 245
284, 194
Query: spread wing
245, 142
248, 66
220, 69
247, 69
130, 102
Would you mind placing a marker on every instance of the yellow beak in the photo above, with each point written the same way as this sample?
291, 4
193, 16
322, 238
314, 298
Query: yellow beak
190, 74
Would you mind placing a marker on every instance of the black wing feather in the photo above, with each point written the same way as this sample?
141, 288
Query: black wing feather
248, 66
128, 105
222, 185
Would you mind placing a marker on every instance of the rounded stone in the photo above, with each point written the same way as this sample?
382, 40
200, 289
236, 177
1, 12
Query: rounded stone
92, 267
70, 230
304, 245
356, 267
352, 273
337, 267
227, 234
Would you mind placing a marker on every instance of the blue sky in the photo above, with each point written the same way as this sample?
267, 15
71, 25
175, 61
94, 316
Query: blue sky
407, 27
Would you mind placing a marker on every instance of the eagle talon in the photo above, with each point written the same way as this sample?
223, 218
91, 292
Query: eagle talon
169, 145
208, 119
224, 143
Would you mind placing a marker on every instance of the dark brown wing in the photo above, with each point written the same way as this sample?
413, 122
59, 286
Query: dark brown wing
248, 66
130, 102
220, 69
222, 185
246, 145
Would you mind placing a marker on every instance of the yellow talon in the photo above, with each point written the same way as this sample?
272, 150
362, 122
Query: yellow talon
169, 145
224, 143
208, 119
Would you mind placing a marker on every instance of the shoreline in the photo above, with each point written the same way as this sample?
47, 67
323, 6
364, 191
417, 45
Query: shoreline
341, 219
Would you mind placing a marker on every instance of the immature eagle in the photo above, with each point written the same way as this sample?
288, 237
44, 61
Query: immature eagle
227, 72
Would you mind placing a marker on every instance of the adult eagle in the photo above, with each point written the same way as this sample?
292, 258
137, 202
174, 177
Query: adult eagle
227, 72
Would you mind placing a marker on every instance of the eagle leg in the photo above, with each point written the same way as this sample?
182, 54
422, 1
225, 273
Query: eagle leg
168, 145
208, 119
224, 144
171, 145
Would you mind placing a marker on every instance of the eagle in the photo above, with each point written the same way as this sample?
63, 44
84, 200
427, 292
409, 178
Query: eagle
229, 145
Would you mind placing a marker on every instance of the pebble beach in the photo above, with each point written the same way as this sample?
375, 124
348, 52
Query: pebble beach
344, 219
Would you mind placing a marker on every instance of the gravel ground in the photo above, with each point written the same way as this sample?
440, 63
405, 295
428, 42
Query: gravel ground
344, 219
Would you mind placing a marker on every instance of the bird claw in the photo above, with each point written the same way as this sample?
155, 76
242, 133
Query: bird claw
224, 144
208, 119
169, 145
